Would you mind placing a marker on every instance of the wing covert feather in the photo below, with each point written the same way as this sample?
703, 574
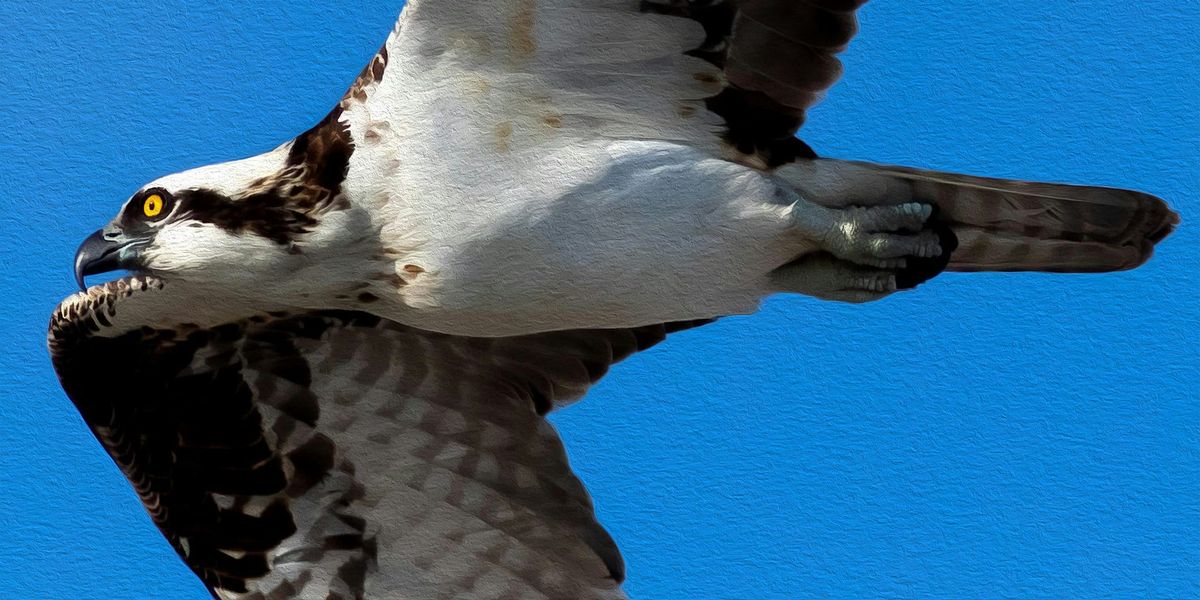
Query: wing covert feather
334, 454
731, 77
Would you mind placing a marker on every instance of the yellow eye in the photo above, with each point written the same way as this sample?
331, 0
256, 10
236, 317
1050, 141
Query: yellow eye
152, 206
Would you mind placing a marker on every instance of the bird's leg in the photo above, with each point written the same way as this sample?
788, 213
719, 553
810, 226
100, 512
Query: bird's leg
824, 276
863, 252
875, 236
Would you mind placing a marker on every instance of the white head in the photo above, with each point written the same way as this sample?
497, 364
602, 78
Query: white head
247, 227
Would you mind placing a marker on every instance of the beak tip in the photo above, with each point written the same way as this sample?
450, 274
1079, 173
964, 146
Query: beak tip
80, 259
95, 255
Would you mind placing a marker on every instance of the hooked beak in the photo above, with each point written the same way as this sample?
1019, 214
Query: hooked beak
99, 254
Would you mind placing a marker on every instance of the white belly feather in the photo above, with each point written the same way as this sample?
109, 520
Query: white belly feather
629, 233
552, 194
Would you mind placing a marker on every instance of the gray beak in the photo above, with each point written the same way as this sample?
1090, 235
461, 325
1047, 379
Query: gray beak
97, 254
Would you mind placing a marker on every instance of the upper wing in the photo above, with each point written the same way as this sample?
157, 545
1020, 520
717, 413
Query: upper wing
337, 455
733, 77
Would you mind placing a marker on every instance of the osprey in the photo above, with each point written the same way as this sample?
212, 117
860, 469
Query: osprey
342, 350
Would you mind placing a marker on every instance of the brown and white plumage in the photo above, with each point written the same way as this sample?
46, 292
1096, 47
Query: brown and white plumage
328, 377
335, 454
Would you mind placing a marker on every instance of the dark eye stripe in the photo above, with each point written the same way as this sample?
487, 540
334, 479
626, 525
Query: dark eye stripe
268, 213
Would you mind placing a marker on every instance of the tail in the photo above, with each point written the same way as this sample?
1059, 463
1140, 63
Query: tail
1006, 225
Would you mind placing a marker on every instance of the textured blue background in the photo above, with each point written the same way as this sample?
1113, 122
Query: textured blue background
1006, 436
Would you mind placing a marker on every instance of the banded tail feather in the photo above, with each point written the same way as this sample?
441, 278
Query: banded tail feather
1003, 224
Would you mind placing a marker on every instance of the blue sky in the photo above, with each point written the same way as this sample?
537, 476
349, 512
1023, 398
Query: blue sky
987, 436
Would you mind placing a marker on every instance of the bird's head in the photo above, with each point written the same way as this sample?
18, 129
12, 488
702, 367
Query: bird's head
236, 226
216, 223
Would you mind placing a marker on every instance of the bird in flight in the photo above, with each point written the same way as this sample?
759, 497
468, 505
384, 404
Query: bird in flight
327, 375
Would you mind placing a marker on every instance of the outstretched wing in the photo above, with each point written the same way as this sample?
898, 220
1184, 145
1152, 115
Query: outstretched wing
730, 77
338, 455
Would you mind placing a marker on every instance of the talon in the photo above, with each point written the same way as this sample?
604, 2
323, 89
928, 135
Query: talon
930, 250
923, 211
881, 237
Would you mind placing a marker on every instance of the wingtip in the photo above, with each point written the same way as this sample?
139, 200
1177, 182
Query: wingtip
1169, 224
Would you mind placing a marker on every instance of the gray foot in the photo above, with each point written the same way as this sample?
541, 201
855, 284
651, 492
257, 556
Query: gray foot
874, 236
824, 276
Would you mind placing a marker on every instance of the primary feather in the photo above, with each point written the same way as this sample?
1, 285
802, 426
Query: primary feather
335, 454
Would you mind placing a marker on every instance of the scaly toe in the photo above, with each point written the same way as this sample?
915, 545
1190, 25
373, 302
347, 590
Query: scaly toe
881, 282
910, 217
884, 263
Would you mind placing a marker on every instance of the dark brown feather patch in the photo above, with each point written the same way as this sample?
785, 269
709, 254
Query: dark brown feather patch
778, 57
288, 204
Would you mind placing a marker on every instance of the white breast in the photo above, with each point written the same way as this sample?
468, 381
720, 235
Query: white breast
521, 192
611, 234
